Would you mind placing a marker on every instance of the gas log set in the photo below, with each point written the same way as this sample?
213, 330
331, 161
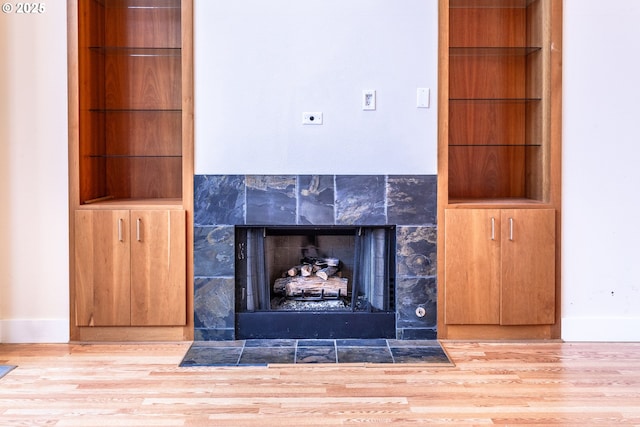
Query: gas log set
313, 279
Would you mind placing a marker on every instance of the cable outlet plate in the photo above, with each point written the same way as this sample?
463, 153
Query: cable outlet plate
312, 118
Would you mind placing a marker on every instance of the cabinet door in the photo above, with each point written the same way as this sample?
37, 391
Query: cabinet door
102, 268
472, 266
158, 273
528, 267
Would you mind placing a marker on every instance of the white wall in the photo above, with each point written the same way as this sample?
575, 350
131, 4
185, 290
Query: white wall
33, 177
601, 272
601, 183
261, 64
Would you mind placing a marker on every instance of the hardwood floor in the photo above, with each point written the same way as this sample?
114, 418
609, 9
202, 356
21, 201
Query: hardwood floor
569, 384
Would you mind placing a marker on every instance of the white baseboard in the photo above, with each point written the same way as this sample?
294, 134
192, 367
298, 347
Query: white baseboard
598, 329
601, 329
34, 331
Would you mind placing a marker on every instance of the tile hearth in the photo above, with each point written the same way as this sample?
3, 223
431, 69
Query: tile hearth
320, 351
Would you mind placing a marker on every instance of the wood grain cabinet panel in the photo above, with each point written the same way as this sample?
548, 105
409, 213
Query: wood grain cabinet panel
103, 268
528, 257
472, 267
158, 274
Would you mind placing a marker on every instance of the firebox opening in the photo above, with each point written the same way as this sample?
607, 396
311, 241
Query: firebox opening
325, 275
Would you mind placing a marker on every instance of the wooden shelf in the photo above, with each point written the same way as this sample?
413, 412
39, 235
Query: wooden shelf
137, 51
131, 113
496, 100
514, 203
492, 4
480, 51
109, 202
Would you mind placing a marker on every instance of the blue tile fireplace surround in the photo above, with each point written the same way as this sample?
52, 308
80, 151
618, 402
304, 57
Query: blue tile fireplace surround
224, 202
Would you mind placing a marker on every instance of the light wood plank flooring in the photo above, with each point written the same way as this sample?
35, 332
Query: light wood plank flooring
568, 384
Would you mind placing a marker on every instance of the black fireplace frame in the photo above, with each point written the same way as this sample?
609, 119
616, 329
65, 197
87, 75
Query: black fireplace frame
314, 325
318, 324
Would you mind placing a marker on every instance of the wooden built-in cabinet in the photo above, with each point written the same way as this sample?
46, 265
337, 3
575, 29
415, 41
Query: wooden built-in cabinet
499, 168
131, 168
130, 267
500, 266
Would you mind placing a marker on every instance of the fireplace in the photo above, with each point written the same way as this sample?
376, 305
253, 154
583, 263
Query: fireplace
315, 282
327, 214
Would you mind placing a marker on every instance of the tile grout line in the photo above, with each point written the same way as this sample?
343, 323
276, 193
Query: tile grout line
244, 343
393, 359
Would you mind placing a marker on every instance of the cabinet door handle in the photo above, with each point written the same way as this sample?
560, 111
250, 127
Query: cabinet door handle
138, 221
120, 229
511, 229
493, 228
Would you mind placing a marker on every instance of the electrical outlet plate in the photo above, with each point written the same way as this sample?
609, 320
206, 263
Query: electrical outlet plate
368, 99
312, 118
422, 99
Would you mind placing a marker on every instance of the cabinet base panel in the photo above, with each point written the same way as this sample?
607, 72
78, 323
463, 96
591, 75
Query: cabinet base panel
132, 334
497, 332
